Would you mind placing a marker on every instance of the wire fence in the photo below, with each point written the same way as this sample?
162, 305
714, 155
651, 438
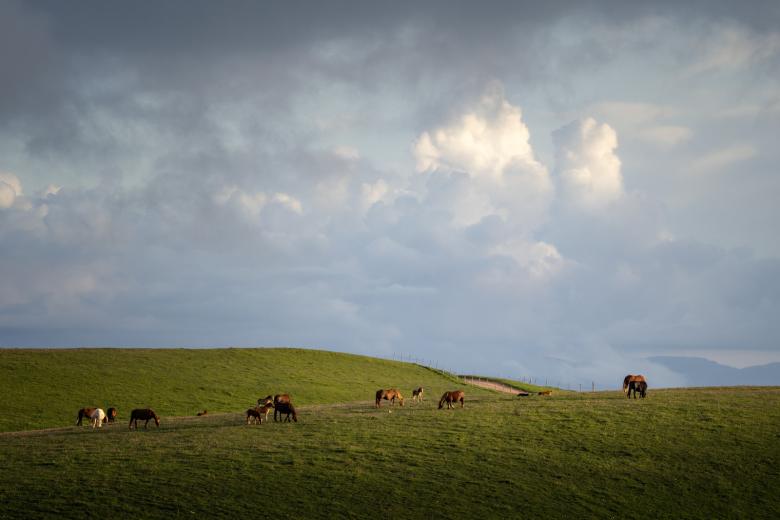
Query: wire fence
577, 386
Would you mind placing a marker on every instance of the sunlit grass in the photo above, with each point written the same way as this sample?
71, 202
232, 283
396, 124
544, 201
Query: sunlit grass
685, 453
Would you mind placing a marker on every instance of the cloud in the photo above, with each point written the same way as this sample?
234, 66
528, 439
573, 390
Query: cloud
666, 135
10, 189
586, 164
231, 179
482, 164
720, 159
487, 141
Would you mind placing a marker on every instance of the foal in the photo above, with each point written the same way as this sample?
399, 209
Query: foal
257, 413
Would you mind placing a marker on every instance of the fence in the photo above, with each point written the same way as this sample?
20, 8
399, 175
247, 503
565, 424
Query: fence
587, 386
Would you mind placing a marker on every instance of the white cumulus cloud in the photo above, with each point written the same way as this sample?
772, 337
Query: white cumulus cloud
586, 164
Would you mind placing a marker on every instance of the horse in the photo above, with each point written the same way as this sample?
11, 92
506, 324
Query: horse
389, 395
269, 399
637, 386
204, 412
417, 393
143, 414
451, 398
286, 408
280, 399
85, 412
98, 417
111, 414
545, 392
630, 377
257, 413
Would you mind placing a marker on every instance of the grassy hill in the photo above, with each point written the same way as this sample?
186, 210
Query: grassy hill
55, 383
682, 453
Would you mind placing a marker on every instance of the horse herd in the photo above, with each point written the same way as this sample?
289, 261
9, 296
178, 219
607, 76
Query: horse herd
282, 405
98, 417
391, 394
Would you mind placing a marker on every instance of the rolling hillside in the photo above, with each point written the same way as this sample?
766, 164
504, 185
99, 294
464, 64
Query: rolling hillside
55, 383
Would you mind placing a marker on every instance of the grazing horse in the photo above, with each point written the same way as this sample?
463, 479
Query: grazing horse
280, 399
204, 412
257, 413
417, 393
630, 377
637, 386
451, 398
545, 392
98, 417
286, 408
111, 414
143, 414
389, 395
85, 412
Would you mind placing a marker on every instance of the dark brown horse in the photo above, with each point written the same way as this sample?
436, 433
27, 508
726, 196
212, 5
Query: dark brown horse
143, 414
85, 412
286, 408
280, 399
637, 386
204, 412
417, 394
451, 398
630, 377
111, 414
391, 394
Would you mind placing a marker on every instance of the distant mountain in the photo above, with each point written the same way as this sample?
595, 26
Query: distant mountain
703, 372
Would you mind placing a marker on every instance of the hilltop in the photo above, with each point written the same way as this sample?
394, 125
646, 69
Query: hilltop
55, 383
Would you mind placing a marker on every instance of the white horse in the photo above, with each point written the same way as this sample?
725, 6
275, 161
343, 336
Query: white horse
98, 416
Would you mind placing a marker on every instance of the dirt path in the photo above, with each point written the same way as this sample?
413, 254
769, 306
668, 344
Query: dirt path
499, 387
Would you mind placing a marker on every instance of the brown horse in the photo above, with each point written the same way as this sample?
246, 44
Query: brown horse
280, 399
630, 377
257, 413
204, 412
143, 414
389, 395
286, 408
545, 392
637, 386
417, 393
85, 412
111, 414
451, 398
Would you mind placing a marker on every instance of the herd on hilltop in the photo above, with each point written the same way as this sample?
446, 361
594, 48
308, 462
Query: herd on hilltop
283, 408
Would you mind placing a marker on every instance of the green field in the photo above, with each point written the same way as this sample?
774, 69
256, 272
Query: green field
685, 453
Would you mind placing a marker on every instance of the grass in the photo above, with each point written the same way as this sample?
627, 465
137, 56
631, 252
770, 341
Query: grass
56, 383
685, 453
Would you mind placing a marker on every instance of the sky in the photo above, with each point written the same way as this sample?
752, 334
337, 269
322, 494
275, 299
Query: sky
503, 188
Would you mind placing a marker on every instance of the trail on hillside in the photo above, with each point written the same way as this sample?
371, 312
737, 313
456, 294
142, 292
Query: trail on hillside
492, 385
